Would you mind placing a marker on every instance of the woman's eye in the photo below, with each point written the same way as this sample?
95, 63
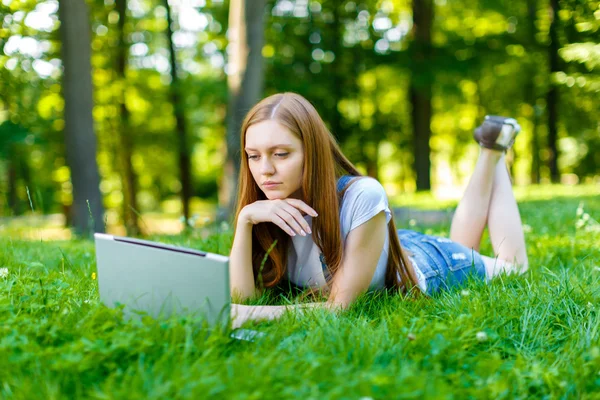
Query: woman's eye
254, 157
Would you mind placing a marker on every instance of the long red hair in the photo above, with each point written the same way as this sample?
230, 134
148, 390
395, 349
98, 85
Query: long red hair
324, 163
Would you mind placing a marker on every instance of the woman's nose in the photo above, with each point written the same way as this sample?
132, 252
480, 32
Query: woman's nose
266, 166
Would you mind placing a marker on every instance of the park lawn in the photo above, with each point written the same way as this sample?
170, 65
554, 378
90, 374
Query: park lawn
519, 337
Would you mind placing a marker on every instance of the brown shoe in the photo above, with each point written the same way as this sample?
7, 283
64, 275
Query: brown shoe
497, 133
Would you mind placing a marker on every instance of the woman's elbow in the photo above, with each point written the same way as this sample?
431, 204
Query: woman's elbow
239, 295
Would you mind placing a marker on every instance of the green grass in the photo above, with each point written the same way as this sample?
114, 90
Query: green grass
536, 336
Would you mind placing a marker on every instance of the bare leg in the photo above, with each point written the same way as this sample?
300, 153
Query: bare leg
471, 214
505, 227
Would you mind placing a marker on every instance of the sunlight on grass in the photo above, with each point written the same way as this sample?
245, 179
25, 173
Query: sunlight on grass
52, 227
427, 200
34, 226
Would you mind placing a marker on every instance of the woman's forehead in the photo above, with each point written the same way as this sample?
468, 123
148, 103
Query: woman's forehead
269, 134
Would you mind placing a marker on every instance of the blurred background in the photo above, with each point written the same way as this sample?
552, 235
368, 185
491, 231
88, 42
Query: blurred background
124, 115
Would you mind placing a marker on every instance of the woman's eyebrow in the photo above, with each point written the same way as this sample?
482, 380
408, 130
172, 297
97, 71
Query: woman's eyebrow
273, 147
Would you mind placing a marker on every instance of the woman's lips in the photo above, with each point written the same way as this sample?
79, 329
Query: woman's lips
271, 185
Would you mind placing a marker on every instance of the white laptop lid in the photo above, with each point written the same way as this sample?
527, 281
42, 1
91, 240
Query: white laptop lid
160, 279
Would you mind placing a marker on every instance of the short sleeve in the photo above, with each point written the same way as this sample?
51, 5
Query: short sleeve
364, 199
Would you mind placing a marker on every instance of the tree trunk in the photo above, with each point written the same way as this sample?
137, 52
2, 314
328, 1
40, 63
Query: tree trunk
128, 177
337, 76
372, 161
421, 116
531, 96
420, 91
12, 188
185, 169
245, 84
552, 96
80, 139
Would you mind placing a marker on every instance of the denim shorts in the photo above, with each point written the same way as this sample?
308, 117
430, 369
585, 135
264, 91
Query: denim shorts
444, 263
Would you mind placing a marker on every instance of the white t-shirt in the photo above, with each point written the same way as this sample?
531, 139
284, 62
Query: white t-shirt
364, 199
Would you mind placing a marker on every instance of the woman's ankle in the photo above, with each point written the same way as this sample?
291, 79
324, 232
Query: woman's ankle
491, 155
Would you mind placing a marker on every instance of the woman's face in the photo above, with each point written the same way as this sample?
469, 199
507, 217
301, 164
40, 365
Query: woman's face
276, 155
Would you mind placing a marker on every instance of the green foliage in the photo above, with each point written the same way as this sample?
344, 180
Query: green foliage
587, 54
34, 102
11, 134
354, 60
536, 336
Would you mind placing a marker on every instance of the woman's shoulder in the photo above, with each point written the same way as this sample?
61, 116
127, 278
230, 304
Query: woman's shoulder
364, 186
362, 181
364, 198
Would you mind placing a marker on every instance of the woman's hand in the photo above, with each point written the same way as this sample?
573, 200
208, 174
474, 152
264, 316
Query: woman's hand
241, 313
285, 213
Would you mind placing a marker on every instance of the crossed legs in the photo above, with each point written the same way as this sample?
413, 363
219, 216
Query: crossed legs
489, 200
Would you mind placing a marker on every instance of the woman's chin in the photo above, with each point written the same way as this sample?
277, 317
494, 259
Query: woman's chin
275, 196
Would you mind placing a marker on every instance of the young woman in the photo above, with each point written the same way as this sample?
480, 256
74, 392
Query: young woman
306, 215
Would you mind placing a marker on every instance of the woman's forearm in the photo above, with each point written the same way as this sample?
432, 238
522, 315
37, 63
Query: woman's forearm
241, 276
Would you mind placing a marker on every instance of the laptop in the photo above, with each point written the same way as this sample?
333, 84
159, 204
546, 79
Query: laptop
160, 280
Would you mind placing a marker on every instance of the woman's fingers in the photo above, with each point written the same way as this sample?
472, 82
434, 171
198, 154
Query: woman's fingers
291, 220
296, 221
299, 204
286, 214
280, 222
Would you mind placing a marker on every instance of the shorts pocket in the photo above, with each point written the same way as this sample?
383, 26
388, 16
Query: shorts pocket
456, 256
